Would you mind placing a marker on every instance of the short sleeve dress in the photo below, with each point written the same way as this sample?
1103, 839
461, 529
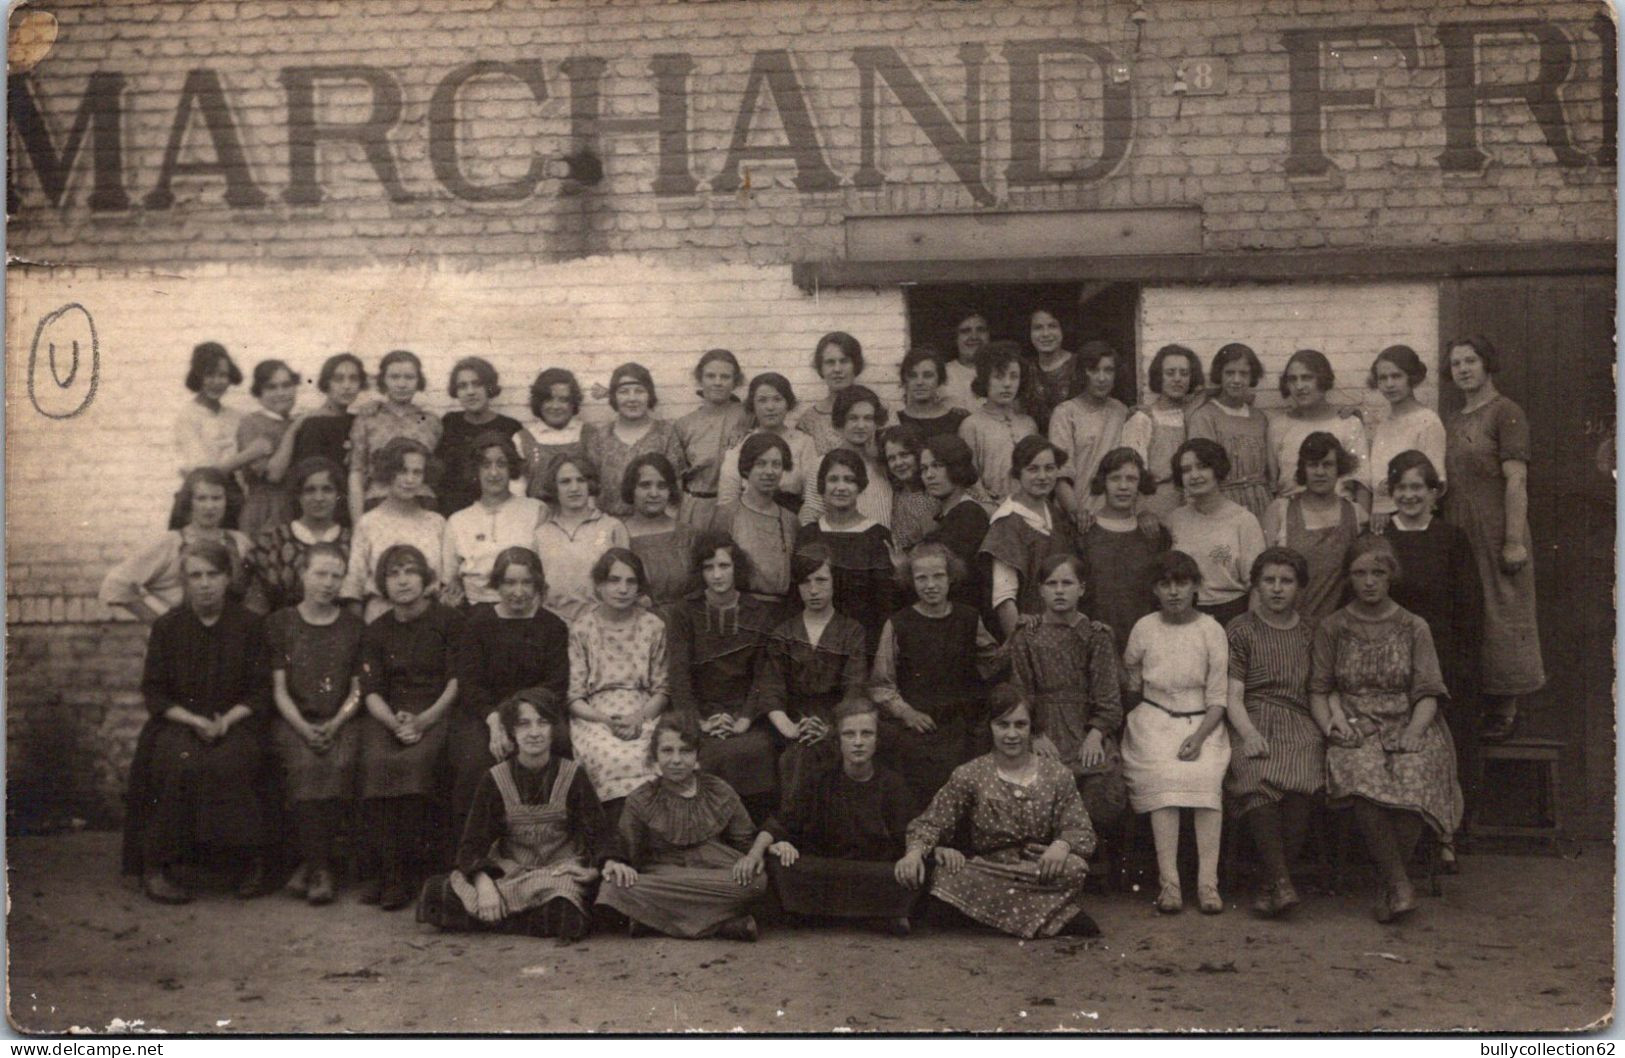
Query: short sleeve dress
666, 563
1184, 671
319, 661
1273, 667
611, 456
615, 667
1244, 435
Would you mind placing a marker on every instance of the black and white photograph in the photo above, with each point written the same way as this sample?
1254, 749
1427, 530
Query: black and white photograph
873, 517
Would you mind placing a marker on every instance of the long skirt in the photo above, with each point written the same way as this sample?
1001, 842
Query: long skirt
389, 769
1156, 777
1423, 782
468, 753
1001, 889
818, 885
1296, 761
204, 793
746, 762
615, 766
312, 776
688, 900
923, 759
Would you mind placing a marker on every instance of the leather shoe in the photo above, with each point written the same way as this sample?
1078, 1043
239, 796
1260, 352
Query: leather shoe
395, 896
253, 881
742, 928
1170, 901
1285, 898
372, 891
1209, 900
299, 880
1401, 899
321, 887
159, 888
1497, 727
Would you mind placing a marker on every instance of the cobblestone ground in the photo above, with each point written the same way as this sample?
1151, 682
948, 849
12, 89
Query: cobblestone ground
1516, 943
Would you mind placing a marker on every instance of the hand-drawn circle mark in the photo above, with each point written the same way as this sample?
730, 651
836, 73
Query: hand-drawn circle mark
64, 383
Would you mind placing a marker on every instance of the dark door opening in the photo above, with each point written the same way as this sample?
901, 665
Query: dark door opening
1093, 310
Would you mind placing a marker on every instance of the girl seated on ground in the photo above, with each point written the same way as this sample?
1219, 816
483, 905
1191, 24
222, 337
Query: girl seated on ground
1028, 835
838, 833
679, 864
530, 839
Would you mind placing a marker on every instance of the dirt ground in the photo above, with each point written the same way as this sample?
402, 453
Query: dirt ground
1516, 943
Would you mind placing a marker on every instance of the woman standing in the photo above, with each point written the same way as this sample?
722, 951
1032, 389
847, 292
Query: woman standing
658, 537
1487, 459
913, 510
948, 471
1057, 376
473, 385
531, 838
1408, 426
493, 523
993, 430
266, 503
1157, 428
1175, 747
1118, 553
679, 865
409, 685
618, 680
274, 579
574, 537
1221, 535
1281, 762
400, 379
707, 432
1376, 678
1026, 529
838, 360
205, 433
858, 416
1241, 429
1028, 835
634, 431
1087, 426
1305, 383
152, 582
924, 407
555, 401
714, 643
398, 519
861, 548
770, 399
765, 528
1317, 523
315, 660
324, 432
970, 335
504, 648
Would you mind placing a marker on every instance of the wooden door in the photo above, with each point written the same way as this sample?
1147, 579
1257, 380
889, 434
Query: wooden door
1555, 336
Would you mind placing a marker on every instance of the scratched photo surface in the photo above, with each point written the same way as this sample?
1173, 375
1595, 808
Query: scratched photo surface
580, 184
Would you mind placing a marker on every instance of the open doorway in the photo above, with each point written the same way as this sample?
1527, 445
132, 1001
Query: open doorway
1090, 310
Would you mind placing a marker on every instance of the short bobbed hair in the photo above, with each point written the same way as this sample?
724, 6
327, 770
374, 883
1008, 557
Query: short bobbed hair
1480, 345
634, 470
1280, 556
680, 722
206, 476
851, 397
846, 344
1054, 562
306, 558
909, 440
1173, 566
1005, 699
1030, 448
309, 467
626, 557
932, 549
921, 354
1319, 366
402, 556
205, 357
483, 371
1119, 457
953, 453
550, 475
1368, 543
542, 388
390, 460
720, 356
215, 553
1092, 352
330, 367
1154, 375
1404, 358
518, 556
843, 457
633, 373
774, 381
1208, 452
1318, 446
1410, 460
265, 372
549, 706
1229, 354
401, 356
708, 544
493, 439
809, 559
758, 445
995, 358
855, 705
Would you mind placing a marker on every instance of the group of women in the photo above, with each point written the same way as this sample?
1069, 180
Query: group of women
665, 661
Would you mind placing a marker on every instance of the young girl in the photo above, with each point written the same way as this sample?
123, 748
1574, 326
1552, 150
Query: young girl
618, 680
709, 431
1409, 425
865, 582
205, 433
1027, 528
766, 529
858, 415
400, 379
1281, 765
473, 385
1317, 522
1175, 747
315, 658
1157, 428
398, 519
571, 541
1066, 666
948, 473
1241, 429
266, 503
770, 399
924, 406
913, 510
993, 430
317, 485
530, 839
325, 432
1118, 554
634, 431
1056, 380
1087, 426
838, 360
555, 401
928, 673
663, 542
407, 678
496, 521
1220, 534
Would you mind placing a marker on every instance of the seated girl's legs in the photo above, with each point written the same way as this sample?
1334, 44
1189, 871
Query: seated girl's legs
1390, 835
1296, 810
1165, 833
1265, 827
316, 825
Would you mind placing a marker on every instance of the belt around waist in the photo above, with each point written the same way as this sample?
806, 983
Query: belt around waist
1171, 712
702, 495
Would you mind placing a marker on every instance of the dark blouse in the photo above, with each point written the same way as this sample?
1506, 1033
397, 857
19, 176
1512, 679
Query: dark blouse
319, 661
713, 654
408, 663
802, 680
488, 818
206, 669
961, 529
659, 826
324, 435
1116, 565
458, 486
937, 425
1441, 586
866, 586
497, 656
834, 815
